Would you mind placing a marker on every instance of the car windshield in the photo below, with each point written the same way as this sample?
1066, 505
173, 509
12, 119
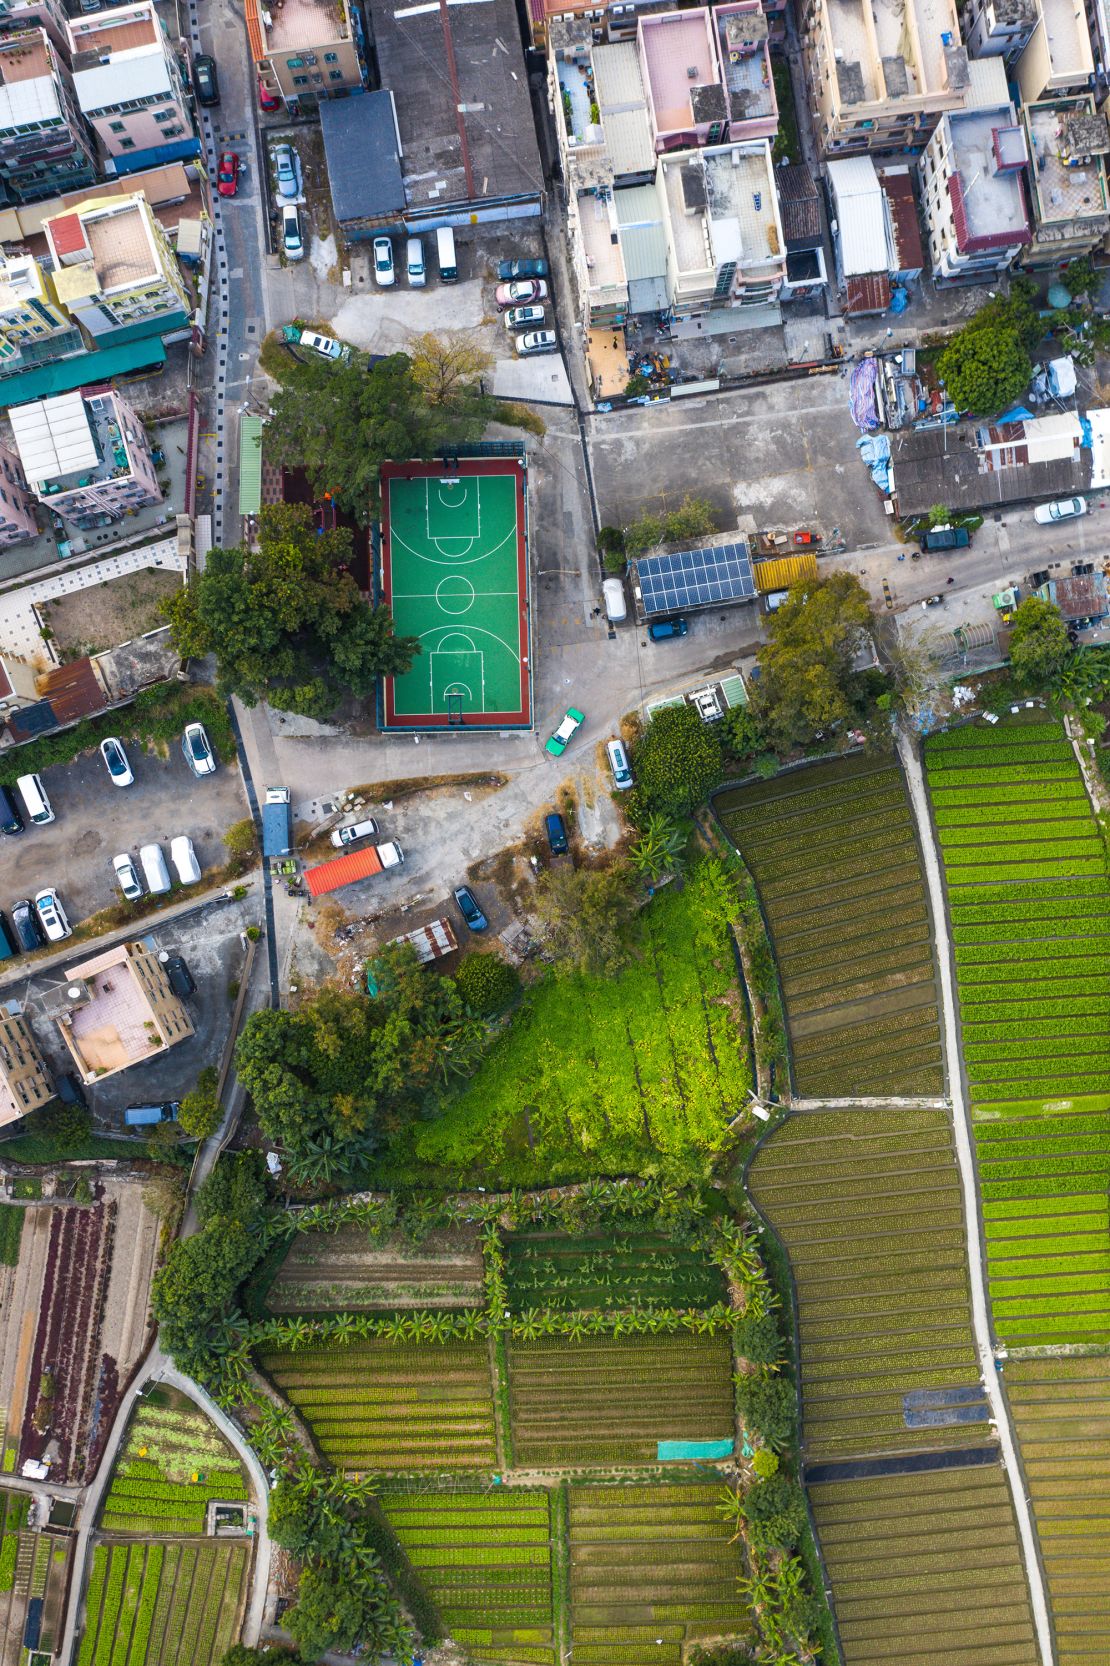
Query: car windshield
197, 747
227, 169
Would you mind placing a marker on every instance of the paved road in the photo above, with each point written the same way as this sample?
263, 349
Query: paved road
980, 1312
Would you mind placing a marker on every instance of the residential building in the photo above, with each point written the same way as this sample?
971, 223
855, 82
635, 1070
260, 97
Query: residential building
973, 194
859, 235
85, 454
119, 1010
307, 51
720, 213
802, 229
17, 504
116, 273
880, 75
600, 109
644, 248
128, 84
1000, 28
364, 165
1081, 596
45, 146
18, 684
1067, 144
744, 51
618, 20
24, 1082
17, 15
1058, 58
35, 329
707, 75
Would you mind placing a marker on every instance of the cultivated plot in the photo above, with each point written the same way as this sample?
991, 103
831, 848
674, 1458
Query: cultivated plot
833, 852
172, 1464
165, 1604
868, 1205
622, 1266
34, 1576
926, 1568
350, 1271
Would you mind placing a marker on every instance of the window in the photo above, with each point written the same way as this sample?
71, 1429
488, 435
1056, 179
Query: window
163, 115
127, 144
118, 127
294, 63
331, 57
172, 132
317, 78
310, 57
300, 80
335, 75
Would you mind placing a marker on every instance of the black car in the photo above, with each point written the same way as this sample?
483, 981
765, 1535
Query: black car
205, 81
27, 928
468, 907
556, 829
181, 979
8, 944
11, 819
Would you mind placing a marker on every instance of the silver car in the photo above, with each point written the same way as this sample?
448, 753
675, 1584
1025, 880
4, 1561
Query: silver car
537, 341
285, 167
127, 877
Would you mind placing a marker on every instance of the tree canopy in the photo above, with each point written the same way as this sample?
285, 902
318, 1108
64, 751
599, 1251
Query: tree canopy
986, 365
1039, 645
677, 760
286, 621
807, 682
587, 917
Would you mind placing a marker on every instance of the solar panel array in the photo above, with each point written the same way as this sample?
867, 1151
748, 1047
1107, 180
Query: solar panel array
695, 578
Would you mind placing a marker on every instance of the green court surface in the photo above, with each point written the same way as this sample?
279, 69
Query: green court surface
454, 573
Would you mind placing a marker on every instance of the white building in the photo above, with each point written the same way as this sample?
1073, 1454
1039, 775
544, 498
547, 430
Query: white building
859, 231
85, 454
973, 194
725, 243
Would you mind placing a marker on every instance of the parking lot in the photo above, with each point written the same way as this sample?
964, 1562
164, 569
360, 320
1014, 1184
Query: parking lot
95, 820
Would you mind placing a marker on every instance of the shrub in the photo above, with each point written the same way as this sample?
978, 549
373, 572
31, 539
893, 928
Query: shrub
486, 982
200, 1110
765, 1463
240, 842
768, 1407
678, 760
775, 1511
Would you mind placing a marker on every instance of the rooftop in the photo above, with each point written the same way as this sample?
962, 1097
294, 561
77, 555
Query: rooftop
360, 146
28, 81
858, 206
294, 23
100, 86
723, 206
123, 30
102, 248
70, 440
742, 32
1066, 193
935, 465
988, 205
679, 60
113, 1023
798, 205
600, 242
891, 49
1069, 39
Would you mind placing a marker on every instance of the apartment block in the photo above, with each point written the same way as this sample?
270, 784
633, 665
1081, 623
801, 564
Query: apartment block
45, 146
1058, 58
973, 192
127, 80
119, 1010
707, 75
24, 1082
1000, 28
17, 15
305, 51
35, 329
115, 271
85, 454
725, 244
17, 503
1068, 145
881, 74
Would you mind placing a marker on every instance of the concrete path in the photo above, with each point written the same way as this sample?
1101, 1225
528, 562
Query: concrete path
980, 1314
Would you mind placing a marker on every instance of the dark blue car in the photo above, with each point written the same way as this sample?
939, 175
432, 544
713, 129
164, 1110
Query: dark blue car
507, 270
468, 907
661, 630
556, 835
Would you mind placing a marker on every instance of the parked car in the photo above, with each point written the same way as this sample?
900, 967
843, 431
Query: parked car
155, 869
556, 829
11, 816
127, 877
349, 835
327, 346
536, 341
618, 763
945, 538
184, 859
661, 630
415, 268
292, 243
205, 80
520, 294
524, 318
467, 905
52, 916
180, 978
142, 1116
561, 739
111, 750
198, 750
25, 923
227, 174
1064, 509
268, 100
285, 169
385, 274
69, 1090
9, 942
509, 269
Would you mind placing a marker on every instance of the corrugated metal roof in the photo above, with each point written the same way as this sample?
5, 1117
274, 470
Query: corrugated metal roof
54, 437
84, 368
861, 219
986, 85
645, 253
343, 870
73, 691
250, 465
122, 79
787, 570
27, 101
68, 234
360, 144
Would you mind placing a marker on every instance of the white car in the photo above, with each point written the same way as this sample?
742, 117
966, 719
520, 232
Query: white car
536, 341
127, 877
1064, 509
184, 859
198, 749
344, 836
292, 242
524, 318
327, 346
286, 168
384, 274
111, 750
52, 916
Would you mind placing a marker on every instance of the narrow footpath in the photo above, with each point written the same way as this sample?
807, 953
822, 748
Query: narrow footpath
1000, 1416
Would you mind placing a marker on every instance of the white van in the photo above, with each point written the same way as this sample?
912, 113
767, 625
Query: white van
616, 606
33, 794
155, 869
445, 255
618, 763
414, 263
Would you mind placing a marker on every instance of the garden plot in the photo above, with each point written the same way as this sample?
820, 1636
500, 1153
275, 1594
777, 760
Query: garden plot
390, 1405
1029, 899
172, 1463
868, 1205
34, 1575
651, 1568
611, 1400
166, 1604
926, 1569
485, 1560
833, 852
347, 1271
1061, 1409
629, 1266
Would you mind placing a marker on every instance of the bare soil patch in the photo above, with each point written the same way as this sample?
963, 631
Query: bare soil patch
105, 615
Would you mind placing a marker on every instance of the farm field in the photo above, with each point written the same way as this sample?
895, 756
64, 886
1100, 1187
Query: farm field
658, 1064
651, 1568
347, 1271
611, 1400
1029, 899
165, 1604
392, 1406
171, 1464
630, 1266
1061, 1410
926, 1569
868, 1205
485, 1560
833, 853
34, 1576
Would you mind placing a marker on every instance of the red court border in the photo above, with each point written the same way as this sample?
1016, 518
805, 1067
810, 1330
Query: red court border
521, 718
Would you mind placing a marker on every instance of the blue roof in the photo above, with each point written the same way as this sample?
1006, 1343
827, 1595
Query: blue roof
364, 168
695, 578
82, 370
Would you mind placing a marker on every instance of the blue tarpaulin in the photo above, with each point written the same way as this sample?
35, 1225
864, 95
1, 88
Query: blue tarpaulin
875, 452
690, 1451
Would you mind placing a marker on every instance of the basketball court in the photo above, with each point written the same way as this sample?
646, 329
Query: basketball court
454, 569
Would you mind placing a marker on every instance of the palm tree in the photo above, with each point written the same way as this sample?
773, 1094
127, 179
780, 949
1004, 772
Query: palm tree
659, 848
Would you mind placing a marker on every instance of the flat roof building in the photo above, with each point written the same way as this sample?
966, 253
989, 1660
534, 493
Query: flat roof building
24, 1082
1058, 58
364, 166
115, 271
85, 454
118, 1009
1068, 144
707, 75
725, 245
305, 51
128, 83
973, 183
45, 145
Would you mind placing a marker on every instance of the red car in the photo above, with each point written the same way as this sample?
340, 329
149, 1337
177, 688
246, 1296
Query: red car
268, 100
227, 174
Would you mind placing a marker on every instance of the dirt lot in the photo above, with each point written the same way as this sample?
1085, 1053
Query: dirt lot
106, 615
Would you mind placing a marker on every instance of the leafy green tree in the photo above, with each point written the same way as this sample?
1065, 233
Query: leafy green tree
775, 1511
677, 760
587, 917
765, 1463
286, 621
486, 982
240, 842
200, 1110
659, 847
274, 1655
742, 731
1039, 646
195, 1289
758, 1339
807, 683
939, 515
235, 1190
986, 365
768, 1406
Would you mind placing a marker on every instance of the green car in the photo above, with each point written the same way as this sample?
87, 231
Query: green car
563, 735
